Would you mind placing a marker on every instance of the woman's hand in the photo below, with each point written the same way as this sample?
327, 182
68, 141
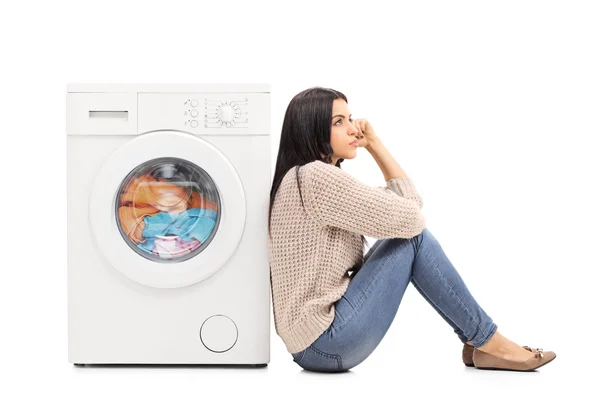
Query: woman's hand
366, 135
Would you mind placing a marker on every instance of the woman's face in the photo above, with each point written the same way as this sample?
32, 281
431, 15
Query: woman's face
343, 132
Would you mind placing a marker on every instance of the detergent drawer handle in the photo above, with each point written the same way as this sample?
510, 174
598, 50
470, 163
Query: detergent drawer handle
110, 114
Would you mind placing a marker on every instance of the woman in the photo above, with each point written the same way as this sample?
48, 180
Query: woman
332, 305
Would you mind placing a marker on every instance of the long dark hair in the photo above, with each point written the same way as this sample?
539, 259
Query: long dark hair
306, 133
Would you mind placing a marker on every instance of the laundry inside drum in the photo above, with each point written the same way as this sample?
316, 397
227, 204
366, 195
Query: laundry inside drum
168, 209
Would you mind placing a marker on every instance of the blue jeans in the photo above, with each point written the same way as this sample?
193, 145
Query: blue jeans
365, 312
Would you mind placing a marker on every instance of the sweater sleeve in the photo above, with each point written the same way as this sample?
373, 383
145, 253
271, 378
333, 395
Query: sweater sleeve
335, 198
403, 187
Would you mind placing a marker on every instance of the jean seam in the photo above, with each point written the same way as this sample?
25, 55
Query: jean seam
487, 337
436, 306
362, 299
348, 301
432, 302
302, 356
336, 357
454, 293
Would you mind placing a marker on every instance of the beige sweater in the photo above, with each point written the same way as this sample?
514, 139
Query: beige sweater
313, 248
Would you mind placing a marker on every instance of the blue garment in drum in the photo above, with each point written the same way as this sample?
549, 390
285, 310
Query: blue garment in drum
194, 223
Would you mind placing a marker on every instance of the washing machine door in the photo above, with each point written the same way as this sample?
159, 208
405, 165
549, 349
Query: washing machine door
167, 209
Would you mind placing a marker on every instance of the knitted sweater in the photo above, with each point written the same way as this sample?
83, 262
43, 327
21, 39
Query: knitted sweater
313, 247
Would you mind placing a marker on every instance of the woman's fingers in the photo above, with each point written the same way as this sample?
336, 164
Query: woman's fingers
359, 125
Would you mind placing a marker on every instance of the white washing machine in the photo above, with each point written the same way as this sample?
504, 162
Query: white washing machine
168, 198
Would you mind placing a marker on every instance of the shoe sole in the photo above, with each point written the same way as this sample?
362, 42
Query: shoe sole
518, 370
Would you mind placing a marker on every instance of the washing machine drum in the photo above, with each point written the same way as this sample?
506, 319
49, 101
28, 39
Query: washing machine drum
167, 209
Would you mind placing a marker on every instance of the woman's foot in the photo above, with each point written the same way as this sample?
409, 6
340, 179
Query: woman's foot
499, 346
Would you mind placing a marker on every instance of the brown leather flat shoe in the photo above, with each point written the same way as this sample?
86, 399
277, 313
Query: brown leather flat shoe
467, 355
483, 360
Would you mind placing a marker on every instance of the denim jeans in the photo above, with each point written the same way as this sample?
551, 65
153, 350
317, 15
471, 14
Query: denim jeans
366, 310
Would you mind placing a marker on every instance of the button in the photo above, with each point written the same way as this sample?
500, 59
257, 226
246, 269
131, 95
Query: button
194, 123
218, 333
194, 103
194, 113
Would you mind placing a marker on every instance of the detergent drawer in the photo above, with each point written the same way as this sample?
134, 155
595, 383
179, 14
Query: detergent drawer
102, 114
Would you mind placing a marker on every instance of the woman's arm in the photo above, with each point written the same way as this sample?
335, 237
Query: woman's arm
335, 198
387, 164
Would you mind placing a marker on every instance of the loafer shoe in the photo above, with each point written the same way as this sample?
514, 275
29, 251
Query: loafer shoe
483, 360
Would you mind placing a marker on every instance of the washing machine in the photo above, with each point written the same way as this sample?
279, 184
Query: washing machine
167, 207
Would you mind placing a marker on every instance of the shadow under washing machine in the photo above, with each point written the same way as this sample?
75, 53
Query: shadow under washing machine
168, 196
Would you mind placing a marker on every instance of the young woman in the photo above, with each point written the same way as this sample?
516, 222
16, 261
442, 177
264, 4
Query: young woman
332, 304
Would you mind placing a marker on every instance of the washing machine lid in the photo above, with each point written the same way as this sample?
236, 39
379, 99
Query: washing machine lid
103, 201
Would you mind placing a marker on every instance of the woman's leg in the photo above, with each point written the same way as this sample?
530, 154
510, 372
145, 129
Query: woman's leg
457, 330
365, 312
436, 279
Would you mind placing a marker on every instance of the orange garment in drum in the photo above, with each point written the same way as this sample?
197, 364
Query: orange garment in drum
162, 194
199, 201
132, 220
147, 191
146, 196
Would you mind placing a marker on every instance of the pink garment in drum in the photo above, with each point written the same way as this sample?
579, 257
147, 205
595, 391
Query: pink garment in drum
173, 246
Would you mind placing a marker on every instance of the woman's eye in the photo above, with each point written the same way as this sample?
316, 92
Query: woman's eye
351, 119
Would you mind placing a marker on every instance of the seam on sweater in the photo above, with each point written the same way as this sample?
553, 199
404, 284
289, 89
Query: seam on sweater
308, 193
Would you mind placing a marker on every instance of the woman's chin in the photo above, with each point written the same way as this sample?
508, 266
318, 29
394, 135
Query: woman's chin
350, 155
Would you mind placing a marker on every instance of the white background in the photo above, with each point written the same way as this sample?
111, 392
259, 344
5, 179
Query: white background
492, 108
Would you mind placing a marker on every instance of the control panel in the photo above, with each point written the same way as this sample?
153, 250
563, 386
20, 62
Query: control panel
217, 113
205, 113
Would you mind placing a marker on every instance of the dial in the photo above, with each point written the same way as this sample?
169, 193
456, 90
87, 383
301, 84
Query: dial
226, 113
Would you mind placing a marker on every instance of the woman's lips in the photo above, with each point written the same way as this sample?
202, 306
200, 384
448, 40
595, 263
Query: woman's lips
355, 143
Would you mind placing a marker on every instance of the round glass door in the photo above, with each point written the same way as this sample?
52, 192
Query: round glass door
168, 209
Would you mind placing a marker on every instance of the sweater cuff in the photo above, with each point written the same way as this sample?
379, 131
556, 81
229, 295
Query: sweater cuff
403, 186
